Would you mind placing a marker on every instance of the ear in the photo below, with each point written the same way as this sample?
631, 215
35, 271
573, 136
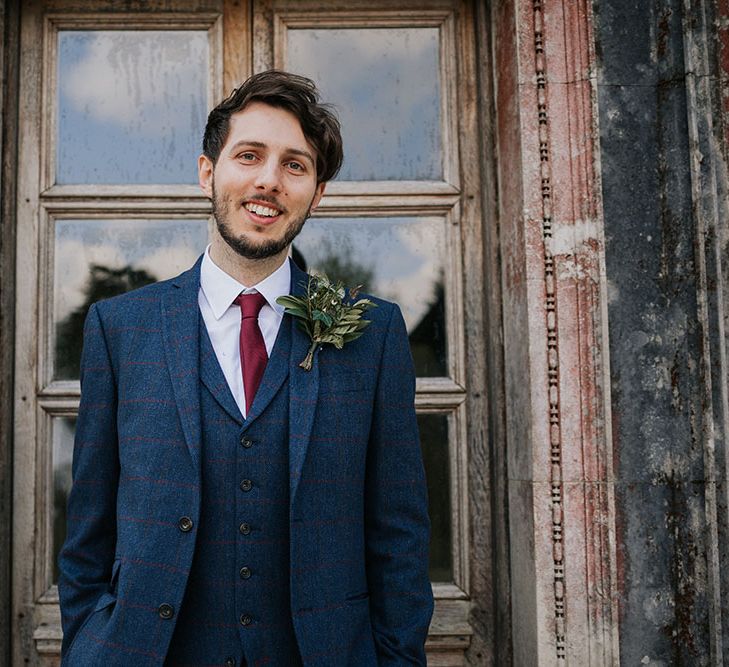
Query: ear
317, 196
205, 170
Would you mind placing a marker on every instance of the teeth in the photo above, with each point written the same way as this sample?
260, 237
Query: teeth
262, 210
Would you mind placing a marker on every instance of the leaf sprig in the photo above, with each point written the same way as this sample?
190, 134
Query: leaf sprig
324, 315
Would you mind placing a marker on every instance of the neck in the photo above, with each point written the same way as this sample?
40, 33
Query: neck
248, 272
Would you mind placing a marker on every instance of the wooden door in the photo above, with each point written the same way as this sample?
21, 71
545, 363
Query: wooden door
113, 108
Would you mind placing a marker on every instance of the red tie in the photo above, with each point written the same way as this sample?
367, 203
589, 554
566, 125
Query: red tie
253, 356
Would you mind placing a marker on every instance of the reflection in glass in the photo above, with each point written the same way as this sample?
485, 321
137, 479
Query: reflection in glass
385, 85
131, 105
434, 443
97, 259
63, 429
400, 259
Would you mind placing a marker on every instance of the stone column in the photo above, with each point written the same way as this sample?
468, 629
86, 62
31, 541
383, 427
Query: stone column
561, 504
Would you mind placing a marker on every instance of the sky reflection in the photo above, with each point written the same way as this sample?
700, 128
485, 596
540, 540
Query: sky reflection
385, 84
403, 257
163, 248
132, 105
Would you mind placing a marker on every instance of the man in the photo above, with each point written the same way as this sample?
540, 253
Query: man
230, 507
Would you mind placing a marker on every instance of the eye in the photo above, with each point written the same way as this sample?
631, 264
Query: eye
295, 166
247, 156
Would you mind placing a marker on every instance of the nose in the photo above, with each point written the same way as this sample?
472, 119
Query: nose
268, 176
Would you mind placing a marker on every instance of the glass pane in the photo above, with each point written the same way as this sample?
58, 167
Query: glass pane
385, 85
63, 429
131, 105
96, 259
434, 443
400, 259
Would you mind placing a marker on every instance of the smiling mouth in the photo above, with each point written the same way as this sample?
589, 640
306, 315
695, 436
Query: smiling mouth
261, 210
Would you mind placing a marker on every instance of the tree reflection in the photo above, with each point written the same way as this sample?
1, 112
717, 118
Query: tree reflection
427, 339
103, 283
339, 265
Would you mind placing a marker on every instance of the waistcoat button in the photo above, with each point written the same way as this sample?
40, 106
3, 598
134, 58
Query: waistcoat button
246, 442
245, 619
245, 528
246, 485
166, 611
245, 573
185, 524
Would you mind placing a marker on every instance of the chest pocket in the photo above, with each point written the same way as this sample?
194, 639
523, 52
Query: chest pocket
333, 380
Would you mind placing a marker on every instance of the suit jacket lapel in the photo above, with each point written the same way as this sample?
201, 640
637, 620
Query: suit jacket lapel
180, 321
304, 389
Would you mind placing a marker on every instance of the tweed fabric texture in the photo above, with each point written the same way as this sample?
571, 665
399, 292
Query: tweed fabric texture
358, 525
208, 630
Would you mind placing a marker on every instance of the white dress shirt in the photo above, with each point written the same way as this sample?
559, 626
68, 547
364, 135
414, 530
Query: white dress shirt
217, 292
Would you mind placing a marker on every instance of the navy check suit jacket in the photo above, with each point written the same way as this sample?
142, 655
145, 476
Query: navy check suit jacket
358, 508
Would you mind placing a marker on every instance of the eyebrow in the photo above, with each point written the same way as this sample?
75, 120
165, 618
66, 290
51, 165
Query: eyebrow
260, 144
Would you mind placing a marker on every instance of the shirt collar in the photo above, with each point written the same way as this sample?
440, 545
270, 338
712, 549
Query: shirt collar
220, 289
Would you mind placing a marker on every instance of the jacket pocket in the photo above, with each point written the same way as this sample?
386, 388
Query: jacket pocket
106, 600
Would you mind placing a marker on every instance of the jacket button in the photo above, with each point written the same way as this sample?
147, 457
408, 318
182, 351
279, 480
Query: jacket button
166, 611
245, 619
245, 528
245, 573
246, 485
230, 662
185, 524
246, 442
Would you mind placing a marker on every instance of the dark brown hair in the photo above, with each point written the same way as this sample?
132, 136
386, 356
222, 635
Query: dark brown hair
294, 93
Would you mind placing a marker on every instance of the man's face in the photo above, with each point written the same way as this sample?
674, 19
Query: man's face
263, 185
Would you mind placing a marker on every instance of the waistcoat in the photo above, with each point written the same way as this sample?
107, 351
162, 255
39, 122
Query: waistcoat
237, 608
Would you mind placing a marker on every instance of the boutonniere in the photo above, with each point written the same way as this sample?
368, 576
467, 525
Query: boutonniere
325, 316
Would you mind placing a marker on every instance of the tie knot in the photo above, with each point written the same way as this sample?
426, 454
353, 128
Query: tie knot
250, 304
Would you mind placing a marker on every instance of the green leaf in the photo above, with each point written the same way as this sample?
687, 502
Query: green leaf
322, 317
297, 312
288, 301
364, 303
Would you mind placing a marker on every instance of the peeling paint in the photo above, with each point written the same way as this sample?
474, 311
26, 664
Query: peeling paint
573, 238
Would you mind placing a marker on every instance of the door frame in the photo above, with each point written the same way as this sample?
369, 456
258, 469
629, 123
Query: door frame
488, 557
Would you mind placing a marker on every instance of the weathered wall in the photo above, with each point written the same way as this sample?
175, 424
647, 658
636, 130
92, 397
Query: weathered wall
663, 198
559, 461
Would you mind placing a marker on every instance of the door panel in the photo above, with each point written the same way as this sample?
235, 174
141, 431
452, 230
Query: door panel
114, 105
109, 202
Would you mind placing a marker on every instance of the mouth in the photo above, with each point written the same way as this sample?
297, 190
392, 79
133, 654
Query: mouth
264, 212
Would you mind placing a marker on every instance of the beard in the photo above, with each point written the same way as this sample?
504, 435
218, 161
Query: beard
241, 244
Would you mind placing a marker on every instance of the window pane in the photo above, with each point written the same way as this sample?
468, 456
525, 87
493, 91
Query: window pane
131, 105
400, 259
434, 443
63, 430
96, 259
385, 84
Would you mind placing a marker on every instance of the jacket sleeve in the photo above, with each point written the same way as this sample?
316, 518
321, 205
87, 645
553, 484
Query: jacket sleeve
85, 561
397, 528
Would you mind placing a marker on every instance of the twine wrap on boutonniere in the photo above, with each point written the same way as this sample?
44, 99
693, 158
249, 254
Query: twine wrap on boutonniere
325, 316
